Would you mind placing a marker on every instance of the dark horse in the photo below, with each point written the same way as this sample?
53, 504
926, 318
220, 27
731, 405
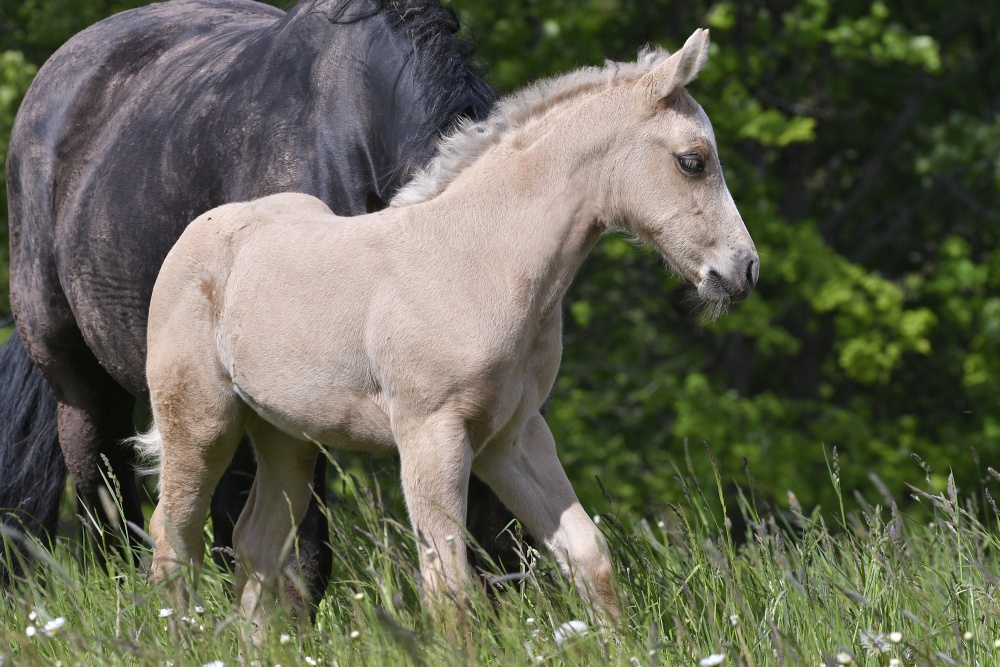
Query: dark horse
135, 127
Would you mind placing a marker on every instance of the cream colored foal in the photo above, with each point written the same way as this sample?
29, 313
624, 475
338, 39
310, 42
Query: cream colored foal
432, 328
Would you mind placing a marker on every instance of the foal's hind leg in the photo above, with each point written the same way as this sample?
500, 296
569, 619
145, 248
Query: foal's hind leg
529, 479
276, 506
312, 561
435, 461
199, 425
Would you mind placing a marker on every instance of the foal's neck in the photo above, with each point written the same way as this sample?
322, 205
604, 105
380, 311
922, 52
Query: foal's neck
534, 211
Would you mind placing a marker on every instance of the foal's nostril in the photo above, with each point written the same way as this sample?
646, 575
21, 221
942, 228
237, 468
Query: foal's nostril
750, 278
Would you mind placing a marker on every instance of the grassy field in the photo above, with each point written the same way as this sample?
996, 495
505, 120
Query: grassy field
873, 587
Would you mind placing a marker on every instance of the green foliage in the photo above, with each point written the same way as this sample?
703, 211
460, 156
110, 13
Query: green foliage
15, 76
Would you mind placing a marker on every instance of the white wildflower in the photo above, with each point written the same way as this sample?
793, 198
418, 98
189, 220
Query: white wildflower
734, 620
53, 626
355, 634
531, 621
571, 629
214, 663
996, 643
967, 635
660, 524
895, 637
597, 518
311, 660
712, 660
33, 615
284, 638
874, 642
166, 612
844, 658
199, 610
894, 662
359, 596
30, 631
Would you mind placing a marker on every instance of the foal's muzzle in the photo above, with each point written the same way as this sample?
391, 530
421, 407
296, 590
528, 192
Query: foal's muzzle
737, 285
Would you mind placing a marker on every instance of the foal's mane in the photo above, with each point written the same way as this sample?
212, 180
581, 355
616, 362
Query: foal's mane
449, 76
469, 140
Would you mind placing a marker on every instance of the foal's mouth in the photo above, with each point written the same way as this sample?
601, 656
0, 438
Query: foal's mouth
715, 287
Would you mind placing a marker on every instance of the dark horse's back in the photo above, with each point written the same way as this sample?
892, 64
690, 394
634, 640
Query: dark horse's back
89, 161
147, 119
153, 116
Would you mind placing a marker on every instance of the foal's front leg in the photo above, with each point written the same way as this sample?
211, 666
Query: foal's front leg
529, 479
436, 459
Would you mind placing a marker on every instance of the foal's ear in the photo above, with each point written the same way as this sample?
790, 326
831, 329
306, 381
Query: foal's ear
679, 69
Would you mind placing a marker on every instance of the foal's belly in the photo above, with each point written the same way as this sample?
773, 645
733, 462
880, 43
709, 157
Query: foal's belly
338, 417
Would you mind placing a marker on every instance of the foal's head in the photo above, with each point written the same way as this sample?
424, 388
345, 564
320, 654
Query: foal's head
668, 184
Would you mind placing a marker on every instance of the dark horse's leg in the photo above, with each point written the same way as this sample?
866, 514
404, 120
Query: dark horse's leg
94, 412
95, 417
489, 522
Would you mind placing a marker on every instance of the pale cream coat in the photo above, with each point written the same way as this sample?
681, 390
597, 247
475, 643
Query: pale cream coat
432, 328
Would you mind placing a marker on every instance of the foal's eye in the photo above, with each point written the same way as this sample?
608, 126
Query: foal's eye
690, 163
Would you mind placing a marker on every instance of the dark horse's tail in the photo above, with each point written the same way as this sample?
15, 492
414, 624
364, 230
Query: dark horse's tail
32, 470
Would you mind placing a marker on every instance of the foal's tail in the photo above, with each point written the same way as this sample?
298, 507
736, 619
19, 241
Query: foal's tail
32, 470
149, 446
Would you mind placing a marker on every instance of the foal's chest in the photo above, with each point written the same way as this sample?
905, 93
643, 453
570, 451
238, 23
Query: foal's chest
507, 394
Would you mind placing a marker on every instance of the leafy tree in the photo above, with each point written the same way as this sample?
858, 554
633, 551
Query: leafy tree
15, 75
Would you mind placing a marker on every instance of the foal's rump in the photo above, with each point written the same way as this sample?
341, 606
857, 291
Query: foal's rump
229, 300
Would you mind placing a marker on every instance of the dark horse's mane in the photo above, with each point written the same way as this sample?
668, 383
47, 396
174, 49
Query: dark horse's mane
433, 30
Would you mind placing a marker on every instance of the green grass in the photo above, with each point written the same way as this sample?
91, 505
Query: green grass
798, 591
